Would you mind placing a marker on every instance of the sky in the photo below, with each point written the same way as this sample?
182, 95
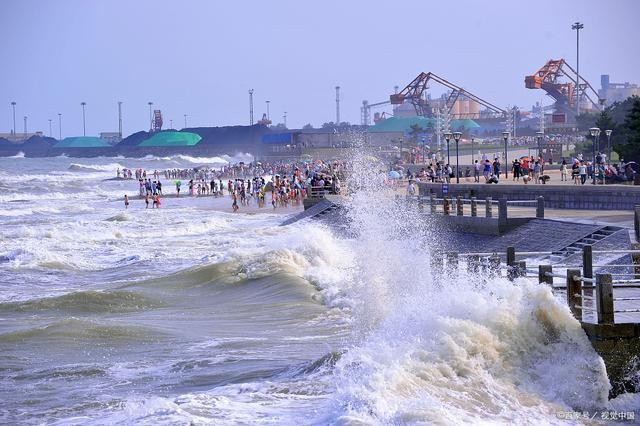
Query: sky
200, 57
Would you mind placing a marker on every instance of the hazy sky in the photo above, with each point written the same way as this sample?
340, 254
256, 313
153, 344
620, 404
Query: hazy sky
200, 57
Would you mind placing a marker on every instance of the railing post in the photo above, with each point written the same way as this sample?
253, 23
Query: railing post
511, 260
436, 262
473, 263
494, 265
452, 260
502, 210
432, 198
540, 208
445, 205
587, 261
520, 268
543, 278
604, 298
474, 207
488, 206
636, 221
574, 287
459, 206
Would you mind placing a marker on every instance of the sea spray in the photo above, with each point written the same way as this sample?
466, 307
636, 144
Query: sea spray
444, 346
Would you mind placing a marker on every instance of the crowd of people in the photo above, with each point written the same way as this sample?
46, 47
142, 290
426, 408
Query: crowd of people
287, 183
529, 169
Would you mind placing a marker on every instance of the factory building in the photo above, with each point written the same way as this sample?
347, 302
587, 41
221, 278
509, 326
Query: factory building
616, 92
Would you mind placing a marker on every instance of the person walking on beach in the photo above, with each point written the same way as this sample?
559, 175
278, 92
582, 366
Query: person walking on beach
583, 172
126, 201
563, 170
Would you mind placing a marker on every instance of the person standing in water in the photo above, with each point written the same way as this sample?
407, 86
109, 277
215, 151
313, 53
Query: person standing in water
146, 200
126, 201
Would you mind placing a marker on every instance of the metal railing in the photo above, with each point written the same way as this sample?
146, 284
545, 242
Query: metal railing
455, 206
579, 281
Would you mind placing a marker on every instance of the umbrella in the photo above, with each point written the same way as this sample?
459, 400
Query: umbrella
394, 175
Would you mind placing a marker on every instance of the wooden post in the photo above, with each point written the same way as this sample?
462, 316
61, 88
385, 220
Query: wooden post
511, 260
502, 210
445, 205
473, 262
494, 265
542, 274
574, 287
604, 298
459, 206
474, 207
432, 198
452, 260
540, 207
587, 261
488, 206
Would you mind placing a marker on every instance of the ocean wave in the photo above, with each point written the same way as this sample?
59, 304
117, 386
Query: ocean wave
20, 154
82, 331
112, 167
86, 302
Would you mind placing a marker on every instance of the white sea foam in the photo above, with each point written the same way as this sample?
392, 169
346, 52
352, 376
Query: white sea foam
20, 154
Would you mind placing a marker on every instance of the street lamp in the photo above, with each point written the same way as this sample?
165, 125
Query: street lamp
13, 104
577, 26
150, 116
49, 127
595, 134
447, 137
120, 120
60, 125
472, 162
608, 133
171, 124
505, 136
25, 126
539, 136
185, 121
284, 117
424, 158
456, 137
84, 127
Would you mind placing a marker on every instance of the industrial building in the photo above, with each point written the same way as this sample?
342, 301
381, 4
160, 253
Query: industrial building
616, 92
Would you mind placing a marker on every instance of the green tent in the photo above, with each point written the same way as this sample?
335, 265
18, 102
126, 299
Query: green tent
82, 142
172, 139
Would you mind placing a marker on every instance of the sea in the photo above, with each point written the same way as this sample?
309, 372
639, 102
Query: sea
193, 315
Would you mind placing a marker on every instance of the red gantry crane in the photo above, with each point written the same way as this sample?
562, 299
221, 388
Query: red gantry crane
414, 93
551, 78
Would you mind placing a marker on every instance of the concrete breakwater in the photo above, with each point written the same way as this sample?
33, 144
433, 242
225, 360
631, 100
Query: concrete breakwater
555, 196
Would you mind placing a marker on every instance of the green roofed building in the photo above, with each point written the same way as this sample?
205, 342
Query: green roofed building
82, 142
165, 139
401, 124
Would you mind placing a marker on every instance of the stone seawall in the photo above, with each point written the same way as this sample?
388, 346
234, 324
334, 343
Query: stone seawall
586, 197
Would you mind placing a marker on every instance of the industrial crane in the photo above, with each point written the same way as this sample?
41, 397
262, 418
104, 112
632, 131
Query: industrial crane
157, 120
414, 93
549, 78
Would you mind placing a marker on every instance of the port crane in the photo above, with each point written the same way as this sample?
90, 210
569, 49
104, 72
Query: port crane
414, 93
157, 120
560, 81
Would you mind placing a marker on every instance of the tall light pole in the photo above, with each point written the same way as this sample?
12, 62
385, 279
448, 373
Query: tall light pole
150, 116
456, 137
84, 127
505, 136
171, 124
49, 127
447, 137
539, 136
472, 140
284, 117
337, 105
595, 134
25, 125
13, 104
577, 26
608, 133
120, 119
60, 126
185, 121
268, 116
251, 107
